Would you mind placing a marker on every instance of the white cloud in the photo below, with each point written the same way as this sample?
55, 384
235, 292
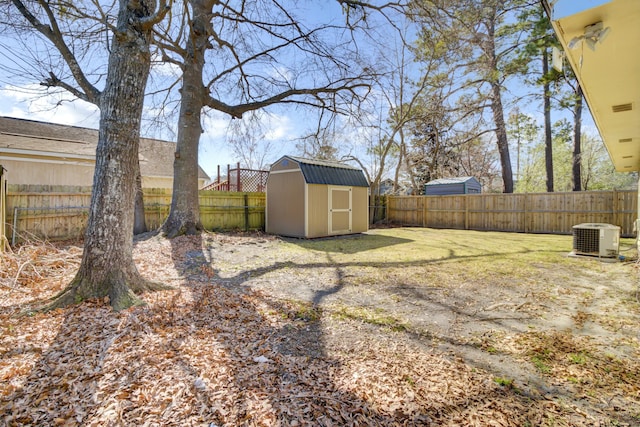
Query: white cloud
277, 127
163, 68
280, 73
215, 124
31, 102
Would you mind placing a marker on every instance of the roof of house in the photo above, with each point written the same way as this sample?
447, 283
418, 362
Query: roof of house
156, 156
330, 173
600, 42
455, 180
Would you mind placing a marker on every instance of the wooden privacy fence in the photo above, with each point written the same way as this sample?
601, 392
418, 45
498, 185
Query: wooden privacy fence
61, 212
56, 212
553, 213
219, 210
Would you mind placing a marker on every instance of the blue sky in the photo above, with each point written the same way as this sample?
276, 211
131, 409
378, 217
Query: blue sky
562, 8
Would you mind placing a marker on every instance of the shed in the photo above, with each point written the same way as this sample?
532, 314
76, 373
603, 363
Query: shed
447, 186
312, 198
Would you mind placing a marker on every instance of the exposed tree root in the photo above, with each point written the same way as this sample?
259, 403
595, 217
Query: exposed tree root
171, 229
121, 292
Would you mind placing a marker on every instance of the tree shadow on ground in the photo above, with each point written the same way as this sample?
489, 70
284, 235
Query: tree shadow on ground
215, 352
278, 357
348, 244
474, 355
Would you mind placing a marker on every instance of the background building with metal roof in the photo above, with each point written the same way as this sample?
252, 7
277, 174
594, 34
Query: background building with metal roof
457, 185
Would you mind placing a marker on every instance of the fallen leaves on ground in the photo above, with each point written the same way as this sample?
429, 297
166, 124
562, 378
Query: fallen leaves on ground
215, 354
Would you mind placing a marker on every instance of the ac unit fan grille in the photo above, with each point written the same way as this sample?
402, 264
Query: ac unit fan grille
586, 240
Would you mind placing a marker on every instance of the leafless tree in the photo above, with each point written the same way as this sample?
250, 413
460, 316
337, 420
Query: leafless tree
238, 57
107, 267
230, 55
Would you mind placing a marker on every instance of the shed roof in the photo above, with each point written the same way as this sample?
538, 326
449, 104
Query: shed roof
63, 141
454, 180
330, 173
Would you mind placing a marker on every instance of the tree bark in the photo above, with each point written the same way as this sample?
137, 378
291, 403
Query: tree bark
107, 268
184, 215
548, 141
501, 136
139, 224
577, 141
401, 156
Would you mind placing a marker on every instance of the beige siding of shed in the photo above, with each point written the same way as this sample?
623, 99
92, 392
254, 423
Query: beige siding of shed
317, 210
280, 167
360, 208
285, 202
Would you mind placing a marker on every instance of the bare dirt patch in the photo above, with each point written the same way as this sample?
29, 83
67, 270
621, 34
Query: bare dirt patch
392, 327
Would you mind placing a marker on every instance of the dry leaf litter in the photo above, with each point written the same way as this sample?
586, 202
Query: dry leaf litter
211, 354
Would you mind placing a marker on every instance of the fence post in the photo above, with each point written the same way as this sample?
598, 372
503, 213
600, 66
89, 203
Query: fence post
238, 182
466, 211
526, 214
15, 226
246, 212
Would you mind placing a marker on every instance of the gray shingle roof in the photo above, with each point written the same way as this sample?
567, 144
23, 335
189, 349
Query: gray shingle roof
156, 156
330, 173
456, 180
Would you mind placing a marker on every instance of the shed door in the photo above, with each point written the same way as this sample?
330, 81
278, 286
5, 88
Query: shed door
340, 210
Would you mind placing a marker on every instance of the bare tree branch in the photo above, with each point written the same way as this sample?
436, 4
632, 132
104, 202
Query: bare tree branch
52, 32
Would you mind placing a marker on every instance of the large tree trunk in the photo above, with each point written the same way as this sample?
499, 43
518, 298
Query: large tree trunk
577, 141
184, 215
107, 267
497, 109
401, 155
501, 136
548, 141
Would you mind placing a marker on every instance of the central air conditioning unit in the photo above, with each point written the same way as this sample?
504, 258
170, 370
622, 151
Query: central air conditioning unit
596, 239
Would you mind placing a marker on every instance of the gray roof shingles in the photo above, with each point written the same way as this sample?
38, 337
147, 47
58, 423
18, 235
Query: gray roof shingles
455, 180
330, 173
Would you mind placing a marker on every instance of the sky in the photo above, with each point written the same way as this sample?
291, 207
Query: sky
280, 127
562, 8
